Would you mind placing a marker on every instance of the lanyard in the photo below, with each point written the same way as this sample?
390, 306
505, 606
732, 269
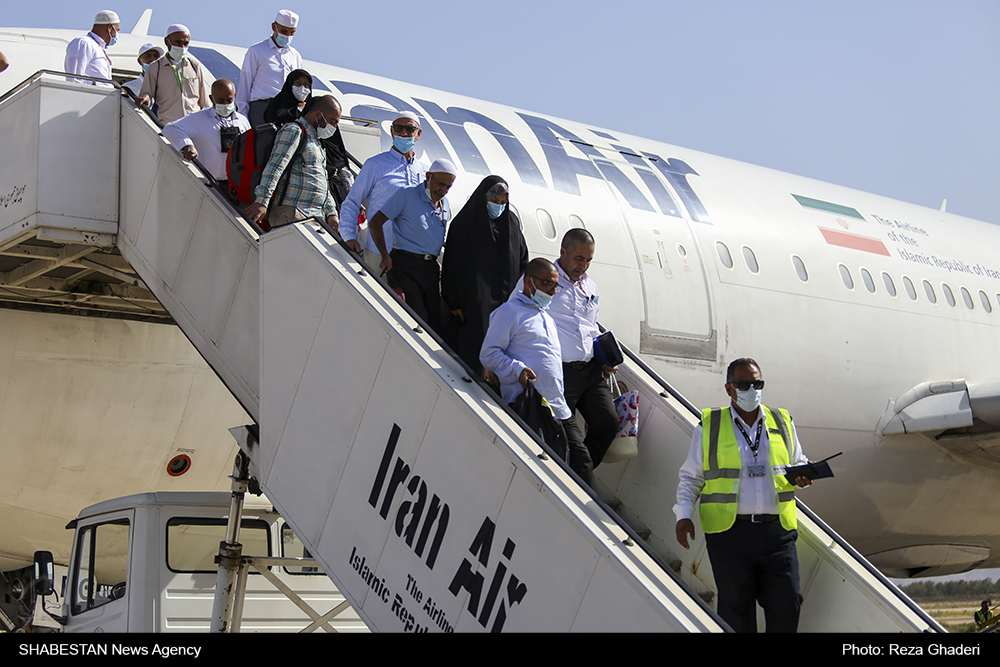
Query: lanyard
754, 444
179, 75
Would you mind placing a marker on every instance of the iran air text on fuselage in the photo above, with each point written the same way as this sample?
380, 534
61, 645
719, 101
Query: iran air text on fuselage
564, 168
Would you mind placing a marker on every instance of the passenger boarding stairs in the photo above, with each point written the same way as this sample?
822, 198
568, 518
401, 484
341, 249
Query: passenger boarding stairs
421, 495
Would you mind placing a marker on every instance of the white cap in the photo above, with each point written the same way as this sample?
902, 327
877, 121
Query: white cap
178, 27
409, 115
105, 17
152, 47
443, 166
287, 18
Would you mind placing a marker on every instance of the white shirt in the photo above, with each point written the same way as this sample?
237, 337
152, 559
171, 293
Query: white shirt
265, 68
755, 494
88, 56
575, 309
201, 130
522, 335
379, 178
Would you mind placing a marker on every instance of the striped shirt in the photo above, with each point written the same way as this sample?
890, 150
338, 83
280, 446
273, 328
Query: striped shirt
307, 185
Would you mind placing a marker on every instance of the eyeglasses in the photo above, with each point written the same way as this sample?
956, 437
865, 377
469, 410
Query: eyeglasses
405, 130
547, 284
746, 384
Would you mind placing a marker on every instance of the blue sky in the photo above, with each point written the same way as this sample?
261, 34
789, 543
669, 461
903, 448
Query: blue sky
893, 97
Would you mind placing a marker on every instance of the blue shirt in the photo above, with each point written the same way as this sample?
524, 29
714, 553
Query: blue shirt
418, 225
522, 335
380, 177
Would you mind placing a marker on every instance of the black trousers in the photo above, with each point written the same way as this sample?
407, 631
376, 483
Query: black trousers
586, 390
255, 112
579, 456
756, 563
420, 280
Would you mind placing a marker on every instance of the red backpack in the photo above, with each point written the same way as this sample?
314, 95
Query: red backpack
246, 160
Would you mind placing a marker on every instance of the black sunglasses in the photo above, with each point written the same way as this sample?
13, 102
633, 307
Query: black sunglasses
743, 385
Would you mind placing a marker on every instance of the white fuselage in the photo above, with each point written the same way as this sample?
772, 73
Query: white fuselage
835, 356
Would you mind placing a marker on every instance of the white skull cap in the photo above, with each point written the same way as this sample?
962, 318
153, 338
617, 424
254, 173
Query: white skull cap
105, 17
152, 47
443, 166
287, 18
178, 27
408, 115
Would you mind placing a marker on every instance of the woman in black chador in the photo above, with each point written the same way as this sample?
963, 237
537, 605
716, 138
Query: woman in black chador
485, 255
287, 105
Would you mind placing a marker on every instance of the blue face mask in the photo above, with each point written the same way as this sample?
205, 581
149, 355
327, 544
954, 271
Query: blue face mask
748, 400
494, 210
282, 40
404, 144
540, 297
114, 40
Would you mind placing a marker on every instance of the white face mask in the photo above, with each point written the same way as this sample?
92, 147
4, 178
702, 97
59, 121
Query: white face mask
749, 400
225, 109
301, 93
178, 52
326, 132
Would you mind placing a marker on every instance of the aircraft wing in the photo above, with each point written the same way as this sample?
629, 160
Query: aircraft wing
962, 418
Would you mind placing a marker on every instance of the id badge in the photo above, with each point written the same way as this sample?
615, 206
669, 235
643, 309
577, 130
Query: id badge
227, 135
757, 470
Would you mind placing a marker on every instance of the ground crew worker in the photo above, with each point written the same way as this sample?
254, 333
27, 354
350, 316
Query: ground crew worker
735, 465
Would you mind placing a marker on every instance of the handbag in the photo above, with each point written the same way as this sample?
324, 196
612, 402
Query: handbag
626, 442
532, 407
606, 350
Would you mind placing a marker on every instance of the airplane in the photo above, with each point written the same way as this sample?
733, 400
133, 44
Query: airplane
871, 318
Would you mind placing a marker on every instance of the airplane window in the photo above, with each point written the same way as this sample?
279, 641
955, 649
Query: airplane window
931, 296
967, 298
948, 294
575, 222
911, 291
845, 275
545, 224
681, 250
869, 281
890, 286
800, 268
727, 259
750, 259
986, 301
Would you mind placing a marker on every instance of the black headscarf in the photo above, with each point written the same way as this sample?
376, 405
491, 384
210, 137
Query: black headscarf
483, 260
283, 107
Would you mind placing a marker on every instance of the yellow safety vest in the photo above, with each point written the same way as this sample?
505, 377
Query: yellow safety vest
722, 464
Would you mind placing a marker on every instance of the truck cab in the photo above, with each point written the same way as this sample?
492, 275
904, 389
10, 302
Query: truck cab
147, 563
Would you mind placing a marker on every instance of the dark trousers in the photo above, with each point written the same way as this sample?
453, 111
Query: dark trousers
756, 563
419, 279
255, 112
586, 390
579, 456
